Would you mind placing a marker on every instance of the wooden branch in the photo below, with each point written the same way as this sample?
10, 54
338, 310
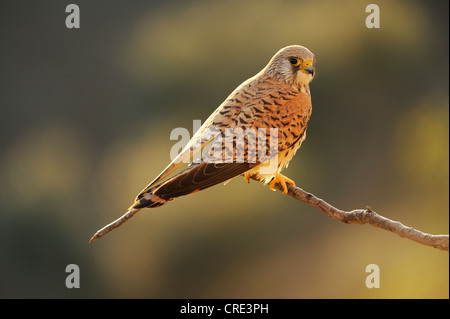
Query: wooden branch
367, 216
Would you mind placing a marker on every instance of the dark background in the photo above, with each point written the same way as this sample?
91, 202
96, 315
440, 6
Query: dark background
86, 116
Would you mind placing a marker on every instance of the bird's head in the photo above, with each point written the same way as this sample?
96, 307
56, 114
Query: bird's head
293, 65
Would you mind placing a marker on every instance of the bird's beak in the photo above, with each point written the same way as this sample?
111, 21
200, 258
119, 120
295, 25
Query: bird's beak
309, 69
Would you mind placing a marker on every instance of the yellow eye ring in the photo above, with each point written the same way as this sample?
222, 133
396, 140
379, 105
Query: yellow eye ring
294, 61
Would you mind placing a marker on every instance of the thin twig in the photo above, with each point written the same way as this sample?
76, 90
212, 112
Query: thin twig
367, 216
357, 216
118, 222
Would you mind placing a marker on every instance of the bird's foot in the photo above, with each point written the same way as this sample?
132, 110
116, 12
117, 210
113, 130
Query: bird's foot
283, 180
247, 177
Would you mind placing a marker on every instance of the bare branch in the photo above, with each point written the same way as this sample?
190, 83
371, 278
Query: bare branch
118, 222
367, 216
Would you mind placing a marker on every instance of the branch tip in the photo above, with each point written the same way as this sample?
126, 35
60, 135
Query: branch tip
367, 216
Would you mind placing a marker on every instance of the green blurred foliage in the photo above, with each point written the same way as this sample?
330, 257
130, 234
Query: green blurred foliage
85, 122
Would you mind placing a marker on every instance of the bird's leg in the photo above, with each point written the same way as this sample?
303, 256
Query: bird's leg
247, 177
283, 180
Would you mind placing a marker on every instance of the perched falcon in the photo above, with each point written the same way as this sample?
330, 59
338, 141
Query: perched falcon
262, 122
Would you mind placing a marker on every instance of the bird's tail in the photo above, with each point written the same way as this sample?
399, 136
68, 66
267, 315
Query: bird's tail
147, 201
195, 178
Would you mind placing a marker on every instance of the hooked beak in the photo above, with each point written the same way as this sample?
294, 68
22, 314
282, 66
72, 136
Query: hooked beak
309, 69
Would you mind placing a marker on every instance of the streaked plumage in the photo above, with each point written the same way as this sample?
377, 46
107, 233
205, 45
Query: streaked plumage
277, 97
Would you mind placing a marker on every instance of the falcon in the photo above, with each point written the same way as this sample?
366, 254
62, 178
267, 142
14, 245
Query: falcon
254, 133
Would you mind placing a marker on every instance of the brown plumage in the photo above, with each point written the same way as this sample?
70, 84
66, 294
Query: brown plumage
276, 98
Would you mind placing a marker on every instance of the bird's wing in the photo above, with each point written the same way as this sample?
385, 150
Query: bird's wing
216, 123
185, 156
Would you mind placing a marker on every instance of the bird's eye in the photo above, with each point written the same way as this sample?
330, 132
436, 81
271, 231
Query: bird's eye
294, 61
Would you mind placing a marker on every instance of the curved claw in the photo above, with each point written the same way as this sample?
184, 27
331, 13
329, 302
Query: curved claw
283, 180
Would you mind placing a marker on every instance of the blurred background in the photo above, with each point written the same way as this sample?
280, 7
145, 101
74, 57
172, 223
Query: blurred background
86, 116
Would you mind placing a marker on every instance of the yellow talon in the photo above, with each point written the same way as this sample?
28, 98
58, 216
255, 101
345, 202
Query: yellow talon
283, 180
247, 177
